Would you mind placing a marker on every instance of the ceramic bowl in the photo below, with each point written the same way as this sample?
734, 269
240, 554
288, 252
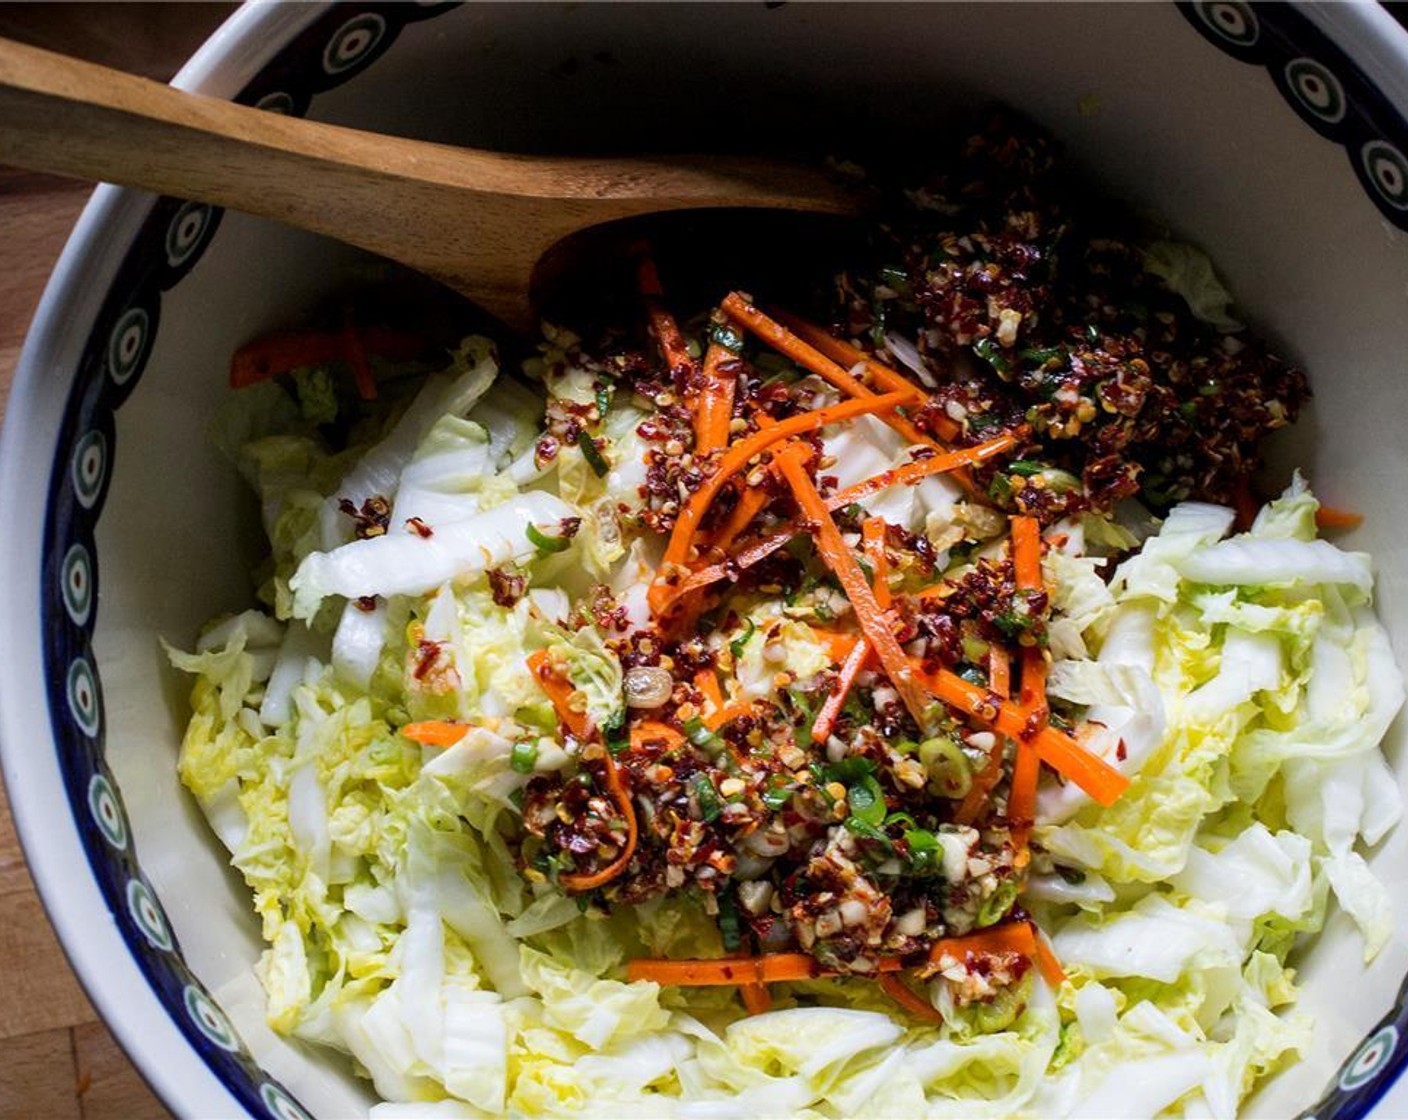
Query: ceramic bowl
1273, 136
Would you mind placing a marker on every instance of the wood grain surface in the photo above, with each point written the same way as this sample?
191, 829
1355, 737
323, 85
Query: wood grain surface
56, 1059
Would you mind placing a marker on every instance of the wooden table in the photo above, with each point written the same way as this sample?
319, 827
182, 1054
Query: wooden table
56, 1060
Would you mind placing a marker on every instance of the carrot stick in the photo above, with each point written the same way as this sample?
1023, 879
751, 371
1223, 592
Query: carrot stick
560, 691
715, 408
1328, 517
281, 353
585, 881
663, 327
1026, 769
850, 669
708, 683
873, 622
765, 547
1000, 682
435, 732
750, 504
872, 535
649, 731
809, 358
756, 998
1012, 937
1046, 961
726, 714
841, 351
356, 355
1058, 750
734, 460
900, 992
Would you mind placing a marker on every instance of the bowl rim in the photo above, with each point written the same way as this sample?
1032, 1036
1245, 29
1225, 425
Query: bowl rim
87, 932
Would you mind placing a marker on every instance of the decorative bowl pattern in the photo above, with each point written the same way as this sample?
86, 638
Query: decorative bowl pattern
1323, 86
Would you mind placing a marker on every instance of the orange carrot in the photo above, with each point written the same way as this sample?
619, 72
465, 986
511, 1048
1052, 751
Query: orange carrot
735, 459
838, 350
873, 622
585, 881
838, 643
714, 410
560, 691
708, 683
900, 992
281, 353
435, 732
356, 355
765, 547
649, 731
756, 998
872, 535
785, 342
1058, 750
1046, 961
726, 714
663, 327
1026, 769
1328, 517
1012, 937
985, 781
750, 504
850, 669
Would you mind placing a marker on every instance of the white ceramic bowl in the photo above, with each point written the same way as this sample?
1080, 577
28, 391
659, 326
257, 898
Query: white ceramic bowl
1275, 137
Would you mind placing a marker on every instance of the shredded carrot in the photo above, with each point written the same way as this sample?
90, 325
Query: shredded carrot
435, 732
761, 549
756, 998
1026, 769
663, 327
356, 355
649, 731
726, 714
281, 353
1051, 970
750, 504
580, 881
1058, 750
773, 968
873, 622
735, 459
1012, 937
707, 681
838, 350
838, 643
845, 681
985, 781
809, 358
1328, 517
560, 691
872, 535
900, 992
714, 411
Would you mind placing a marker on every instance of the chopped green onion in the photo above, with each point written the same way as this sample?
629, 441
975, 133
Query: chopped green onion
524, 757
709, 804
735, 647
600, 467
603, 402
865, 829
867, 800
728, 922
776, 799
1025, 467
545, 543
727, 336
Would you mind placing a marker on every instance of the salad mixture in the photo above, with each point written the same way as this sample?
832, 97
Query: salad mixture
906, 711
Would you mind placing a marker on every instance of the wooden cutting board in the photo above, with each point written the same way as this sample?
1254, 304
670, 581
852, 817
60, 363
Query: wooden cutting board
57, 1061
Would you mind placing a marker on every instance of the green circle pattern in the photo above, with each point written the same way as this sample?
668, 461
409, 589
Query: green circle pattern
187, 232
1231, 20
1316, 90
145, 911
76, 575
89, 467
82, 690
107, 812
210, 1020
280, 1103
1369, 1059
127, 343
353, 41
1387, 171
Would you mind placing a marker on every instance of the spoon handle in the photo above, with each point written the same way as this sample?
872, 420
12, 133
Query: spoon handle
476, 220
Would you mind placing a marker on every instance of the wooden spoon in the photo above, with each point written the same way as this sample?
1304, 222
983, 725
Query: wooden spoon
477, 221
